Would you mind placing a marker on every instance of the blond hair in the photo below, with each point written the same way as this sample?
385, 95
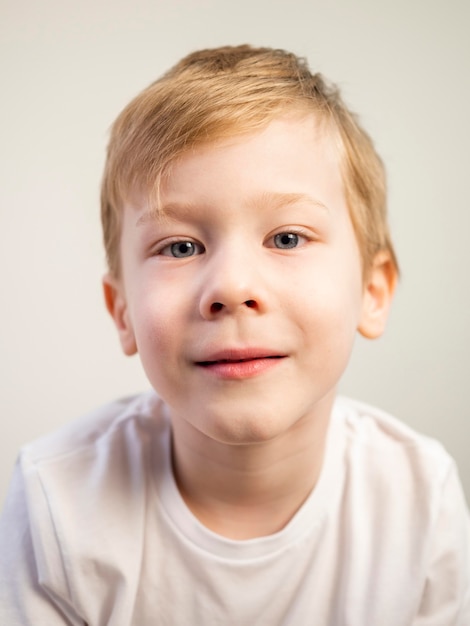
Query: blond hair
213, 94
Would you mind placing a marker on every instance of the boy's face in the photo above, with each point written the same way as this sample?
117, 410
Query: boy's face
244, 296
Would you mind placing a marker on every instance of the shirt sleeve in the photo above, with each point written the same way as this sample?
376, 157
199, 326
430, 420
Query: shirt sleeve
24, 601
446, 598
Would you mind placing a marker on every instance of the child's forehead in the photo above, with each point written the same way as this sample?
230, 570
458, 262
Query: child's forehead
262, 169
147, 180
323, 133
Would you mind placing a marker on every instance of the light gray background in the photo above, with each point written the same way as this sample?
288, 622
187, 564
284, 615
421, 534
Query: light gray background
67, 69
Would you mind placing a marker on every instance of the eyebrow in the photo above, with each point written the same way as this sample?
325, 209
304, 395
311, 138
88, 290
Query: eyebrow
172, 210
278, 200
267, 200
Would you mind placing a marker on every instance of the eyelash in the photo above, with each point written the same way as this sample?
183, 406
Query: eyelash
301, 235
168, 247
178, 242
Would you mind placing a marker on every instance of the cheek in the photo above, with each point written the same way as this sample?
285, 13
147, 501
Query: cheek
157, 336
329, 340
331, 297
329, 310
155, 321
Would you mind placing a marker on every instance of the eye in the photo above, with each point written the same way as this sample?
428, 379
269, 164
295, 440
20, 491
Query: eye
182, 249
285, 241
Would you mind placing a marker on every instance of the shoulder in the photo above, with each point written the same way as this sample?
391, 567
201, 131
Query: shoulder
100, 461
376, 437
100, 426
80, 492
405, 507
125, 423
393, 473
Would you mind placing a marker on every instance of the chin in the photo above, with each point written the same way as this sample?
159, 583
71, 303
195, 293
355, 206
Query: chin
249, 430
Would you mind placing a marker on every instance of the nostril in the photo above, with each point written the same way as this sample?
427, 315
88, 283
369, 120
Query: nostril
216, 307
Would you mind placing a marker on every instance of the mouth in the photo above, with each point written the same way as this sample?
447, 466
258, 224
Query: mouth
246, 360
240, 364
239, 355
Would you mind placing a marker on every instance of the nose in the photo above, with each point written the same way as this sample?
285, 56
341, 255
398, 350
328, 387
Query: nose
232, 284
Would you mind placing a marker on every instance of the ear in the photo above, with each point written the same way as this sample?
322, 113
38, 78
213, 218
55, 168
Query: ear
116, 304
379, 287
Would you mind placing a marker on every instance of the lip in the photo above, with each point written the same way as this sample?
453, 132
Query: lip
237, 363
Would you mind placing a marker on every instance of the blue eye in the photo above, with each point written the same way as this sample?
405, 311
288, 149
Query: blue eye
285, 241
182, 249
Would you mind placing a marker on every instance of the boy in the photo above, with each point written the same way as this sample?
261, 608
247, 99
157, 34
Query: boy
245, 227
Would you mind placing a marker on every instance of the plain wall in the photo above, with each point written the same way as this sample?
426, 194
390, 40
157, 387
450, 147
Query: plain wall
68, 68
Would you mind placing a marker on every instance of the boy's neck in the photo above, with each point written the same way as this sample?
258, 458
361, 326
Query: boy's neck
243, 492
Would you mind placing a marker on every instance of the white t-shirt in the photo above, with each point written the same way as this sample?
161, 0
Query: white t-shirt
94, 531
